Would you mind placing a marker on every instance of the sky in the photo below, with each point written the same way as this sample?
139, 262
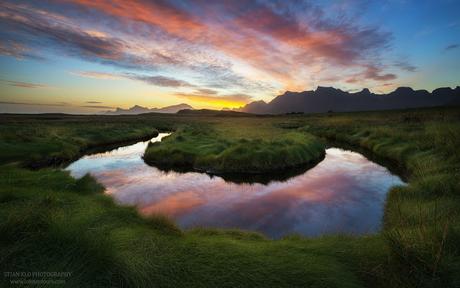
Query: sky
88, 56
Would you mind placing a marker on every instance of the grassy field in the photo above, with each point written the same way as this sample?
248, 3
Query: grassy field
52, 222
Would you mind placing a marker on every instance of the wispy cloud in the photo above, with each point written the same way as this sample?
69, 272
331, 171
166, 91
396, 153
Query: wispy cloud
96, 75
159, 80
97, 106
25, 84
371, 73
206, 91
33, 104
451, 47
155, 80
405, 65
18, 50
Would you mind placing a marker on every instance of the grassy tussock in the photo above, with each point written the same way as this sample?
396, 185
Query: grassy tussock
210, 149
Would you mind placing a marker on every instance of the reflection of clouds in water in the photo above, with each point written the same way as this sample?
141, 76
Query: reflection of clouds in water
125, 157
343, 193
176, 204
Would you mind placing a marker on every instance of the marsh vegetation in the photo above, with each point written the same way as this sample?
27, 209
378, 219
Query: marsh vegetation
54, 222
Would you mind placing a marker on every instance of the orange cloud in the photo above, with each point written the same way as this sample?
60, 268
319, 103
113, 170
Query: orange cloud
174, 205
96, 75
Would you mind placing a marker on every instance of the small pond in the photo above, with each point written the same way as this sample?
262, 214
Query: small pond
344, 193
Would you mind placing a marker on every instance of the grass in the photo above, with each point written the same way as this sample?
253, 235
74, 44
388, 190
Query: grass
219, 150
52, 222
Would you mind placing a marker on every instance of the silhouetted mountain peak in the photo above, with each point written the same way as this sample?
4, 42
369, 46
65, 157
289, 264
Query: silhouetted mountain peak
403, 90
288, 93
443, 89
259, 102
323, 89
137, 109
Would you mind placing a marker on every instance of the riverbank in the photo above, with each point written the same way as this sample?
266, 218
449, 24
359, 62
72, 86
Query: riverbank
57, 223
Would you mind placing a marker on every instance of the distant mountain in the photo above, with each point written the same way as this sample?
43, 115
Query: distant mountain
325, 99
140, 110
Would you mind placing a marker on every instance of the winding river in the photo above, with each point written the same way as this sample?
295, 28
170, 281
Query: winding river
345, 193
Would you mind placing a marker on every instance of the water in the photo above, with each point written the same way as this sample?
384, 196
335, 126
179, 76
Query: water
345, 193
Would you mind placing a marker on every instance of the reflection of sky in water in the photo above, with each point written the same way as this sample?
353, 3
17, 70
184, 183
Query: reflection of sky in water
344, 193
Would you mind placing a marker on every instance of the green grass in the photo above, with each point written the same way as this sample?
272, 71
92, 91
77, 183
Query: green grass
213, 148
52, 222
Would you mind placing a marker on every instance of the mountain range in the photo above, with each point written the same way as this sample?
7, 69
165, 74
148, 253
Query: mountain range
326, 99
140, 110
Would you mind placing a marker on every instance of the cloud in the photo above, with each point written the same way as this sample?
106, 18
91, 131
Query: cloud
32, 28
93, 102
34, 104
97, 106
18, 51
24, 84
159, 80
375, 73
451, 47
277, 43
156, 80
273, 45
96, 75
206, 91
404, 65
371, 73
23, 20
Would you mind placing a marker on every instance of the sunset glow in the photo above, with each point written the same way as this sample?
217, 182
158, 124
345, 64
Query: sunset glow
80, 56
